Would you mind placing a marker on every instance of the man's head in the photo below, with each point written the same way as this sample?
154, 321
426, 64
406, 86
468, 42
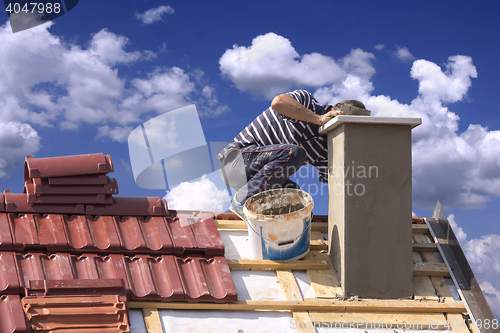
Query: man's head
350, 102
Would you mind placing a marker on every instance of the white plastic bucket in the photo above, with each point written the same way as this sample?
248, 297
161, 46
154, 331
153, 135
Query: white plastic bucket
279, 224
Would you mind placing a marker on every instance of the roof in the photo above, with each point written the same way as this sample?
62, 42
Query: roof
131, 264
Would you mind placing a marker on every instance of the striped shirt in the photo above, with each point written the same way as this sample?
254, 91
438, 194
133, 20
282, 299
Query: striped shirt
271, 128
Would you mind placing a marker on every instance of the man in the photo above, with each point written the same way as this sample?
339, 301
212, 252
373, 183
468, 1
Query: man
276, 144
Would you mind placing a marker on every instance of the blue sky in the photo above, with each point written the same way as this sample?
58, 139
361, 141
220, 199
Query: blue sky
83, 83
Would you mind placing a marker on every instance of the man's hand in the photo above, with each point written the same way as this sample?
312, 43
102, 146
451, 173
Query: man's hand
330, 114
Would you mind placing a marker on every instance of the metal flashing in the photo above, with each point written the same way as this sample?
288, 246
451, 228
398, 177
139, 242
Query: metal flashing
12, 314
67, 165
129, 206
461, 273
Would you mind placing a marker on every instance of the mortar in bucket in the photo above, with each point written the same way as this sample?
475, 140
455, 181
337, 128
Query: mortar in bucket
279, 223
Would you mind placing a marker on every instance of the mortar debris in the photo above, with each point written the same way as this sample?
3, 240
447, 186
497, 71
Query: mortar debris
278, 202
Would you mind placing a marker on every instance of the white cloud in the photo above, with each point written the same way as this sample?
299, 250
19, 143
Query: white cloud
199, 195
402, 53
118, 133
483, 255
109, 48
48, 82
16, 141
271, 65
154, 15
379, 47
459, 169
163, 90
447, 86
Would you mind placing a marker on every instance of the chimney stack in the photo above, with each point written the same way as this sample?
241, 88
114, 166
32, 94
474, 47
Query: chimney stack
370, 204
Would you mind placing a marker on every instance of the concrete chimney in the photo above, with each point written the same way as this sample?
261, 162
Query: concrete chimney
370, 204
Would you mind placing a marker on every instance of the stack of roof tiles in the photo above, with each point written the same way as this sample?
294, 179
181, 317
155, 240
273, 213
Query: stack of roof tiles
67, 235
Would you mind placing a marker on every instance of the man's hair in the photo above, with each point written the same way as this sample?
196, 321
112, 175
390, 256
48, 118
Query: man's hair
351, 102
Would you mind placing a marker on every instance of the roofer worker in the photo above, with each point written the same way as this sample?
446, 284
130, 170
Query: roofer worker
276, 144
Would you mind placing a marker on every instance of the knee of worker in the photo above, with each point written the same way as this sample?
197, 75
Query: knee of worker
297, 155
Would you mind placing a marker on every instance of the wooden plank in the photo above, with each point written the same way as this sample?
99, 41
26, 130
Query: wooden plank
315, 226
422, 285
318, 242
430, 269
242, 225
313, 305
276, 264
289, 285
419, 268
424, 247
457, 323
379, 320
152, 320
419, 228
438, 282
292, 293
325, 283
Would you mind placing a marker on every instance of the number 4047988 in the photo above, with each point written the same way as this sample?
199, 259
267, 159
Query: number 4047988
34, 7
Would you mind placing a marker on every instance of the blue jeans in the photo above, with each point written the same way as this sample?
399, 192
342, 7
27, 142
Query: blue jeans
269, 167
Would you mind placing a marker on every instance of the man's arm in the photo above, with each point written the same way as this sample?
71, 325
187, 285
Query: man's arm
289, 107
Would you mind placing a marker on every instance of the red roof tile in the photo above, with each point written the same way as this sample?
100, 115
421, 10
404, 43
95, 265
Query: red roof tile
78, 287
141, 282
92, 234
9, 281
41, 266
42, 186
76, 313
195, 232
207, 279
95, 179
129, 206
67, 235
143, 235
32, 231
18, 203
6, 242
92, 266
92, 199
168, 283
67, 165
12, 314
